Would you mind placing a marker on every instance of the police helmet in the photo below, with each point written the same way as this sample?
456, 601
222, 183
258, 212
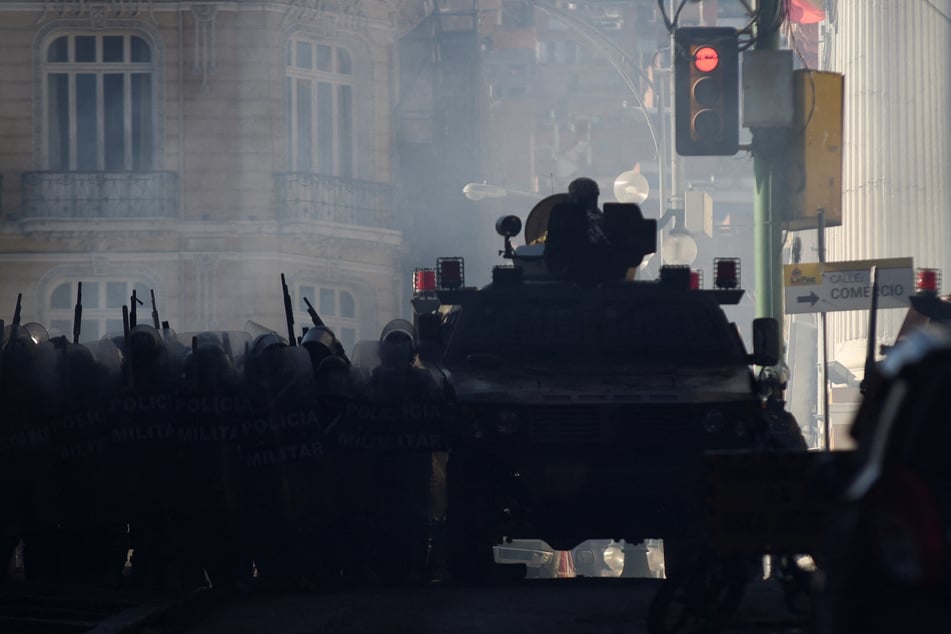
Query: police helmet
398, 343
320, 343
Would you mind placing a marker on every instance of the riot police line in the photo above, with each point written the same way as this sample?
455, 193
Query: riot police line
169, 461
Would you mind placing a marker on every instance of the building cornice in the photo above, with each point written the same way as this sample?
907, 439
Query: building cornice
152, 257
303, 229
344, 15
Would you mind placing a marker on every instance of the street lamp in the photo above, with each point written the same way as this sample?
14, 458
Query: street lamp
478, 191
631, 187
679, 247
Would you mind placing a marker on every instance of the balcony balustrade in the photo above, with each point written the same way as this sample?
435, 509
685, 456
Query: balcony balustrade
345, 201
78, 195
114, 195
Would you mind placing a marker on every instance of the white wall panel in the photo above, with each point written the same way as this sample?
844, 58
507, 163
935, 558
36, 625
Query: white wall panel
897, 150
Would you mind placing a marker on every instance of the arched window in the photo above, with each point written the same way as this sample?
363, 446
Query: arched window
99, 103
103, 299
336, 308
319, 108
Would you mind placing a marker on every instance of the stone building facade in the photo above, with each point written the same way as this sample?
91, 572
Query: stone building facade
199, 150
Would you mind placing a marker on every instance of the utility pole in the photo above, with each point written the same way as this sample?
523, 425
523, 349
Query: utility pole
675, 196
767, 225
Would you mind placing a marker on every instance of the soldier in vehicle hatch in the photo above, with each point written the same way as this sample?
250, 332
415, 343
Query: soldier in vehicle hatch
577, 248
784, 432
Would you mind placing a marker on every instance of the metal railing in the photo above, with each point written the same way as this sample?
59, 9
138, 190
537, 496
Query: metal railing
77, 195
345, 201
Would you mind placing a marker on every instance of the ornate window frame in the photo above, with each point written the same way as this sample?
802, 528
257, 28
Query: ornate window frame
84, 27
363, 99
104, 294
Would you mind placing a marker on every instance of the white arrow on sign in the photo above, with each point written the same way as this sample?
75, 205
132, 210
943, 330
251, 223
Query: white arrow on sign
822, 287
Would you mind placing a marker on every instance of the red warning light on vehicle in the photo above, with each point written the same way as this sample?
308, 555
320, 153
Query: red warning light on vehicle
726, 273
927, 281
424, 281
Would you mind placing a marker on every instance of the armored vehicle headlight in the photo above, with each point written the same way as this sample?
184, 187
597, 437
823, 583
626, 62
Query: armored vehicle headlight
477, 430
470, 423
713, 421
507, 422
614, 557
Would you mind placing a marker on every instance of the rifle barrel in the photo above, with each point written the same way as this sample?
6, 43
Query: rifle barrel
78, 314
16, 311
155, 315
133, 312
15, 325
314, 317
127, 341
288, 312
872, 324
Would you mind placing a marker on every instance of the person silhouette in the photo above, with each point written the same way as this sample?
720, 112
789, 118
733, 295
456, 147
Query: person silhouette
576, 247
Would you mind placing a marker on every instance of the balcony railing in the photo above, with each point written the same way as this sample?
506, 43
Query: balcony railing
350, 202
77, 195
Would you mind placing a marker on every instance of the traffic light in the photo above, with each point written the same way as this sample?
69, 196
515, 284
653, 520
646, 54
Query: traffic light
706, 71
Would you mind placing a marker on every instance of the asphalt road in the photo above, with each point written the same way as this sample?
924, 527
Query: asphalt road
570, 606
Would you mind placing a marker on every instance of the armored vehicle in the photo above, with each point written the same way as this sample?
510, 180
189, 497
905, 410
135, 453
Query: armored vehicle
583, 410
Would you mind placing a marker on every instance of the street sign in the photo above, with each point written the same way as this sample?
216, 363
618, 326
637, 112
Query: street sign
816, 287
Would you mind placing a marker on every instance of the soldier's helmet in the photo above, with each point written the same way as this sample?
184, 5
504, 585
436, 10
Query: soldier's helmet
772, 380
584, 190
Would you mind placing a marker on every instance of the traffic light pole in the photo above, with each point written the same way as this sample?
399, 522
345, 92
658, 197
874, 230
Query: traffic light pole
767, 225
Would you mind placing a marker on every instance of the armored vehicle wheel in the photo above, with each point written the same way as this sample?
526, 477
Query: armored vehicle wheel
470, 534
699, 599
470, 542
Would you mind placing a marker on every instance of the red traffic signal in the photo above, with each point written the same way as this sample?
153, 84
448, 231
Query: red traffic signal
706, 59
706, 73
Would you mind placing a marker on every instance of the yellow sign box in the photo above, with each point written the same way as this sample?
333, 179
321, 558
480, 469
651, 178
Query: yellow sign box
811, 172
